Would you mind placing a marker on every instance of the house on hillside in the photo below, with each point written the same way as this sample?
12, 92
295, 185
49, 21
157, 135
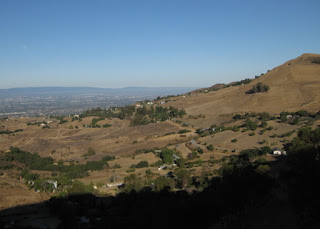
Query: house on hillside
278, 151
54, 183
162, 167
175, 157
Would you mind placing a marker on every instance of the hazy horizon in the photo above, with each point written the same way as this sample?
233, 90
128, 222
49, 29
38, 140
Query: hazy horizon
92, 87
140, 43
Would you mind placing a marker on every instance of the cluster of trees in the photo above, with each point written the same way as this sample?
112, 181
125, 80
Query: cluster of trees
144, 116
33, 161
10, 132
259, 87
94, 122
263, 116
315, 60
217, 87
180, 178
241, 82
112, 112
294, 118
166, 156
139, 116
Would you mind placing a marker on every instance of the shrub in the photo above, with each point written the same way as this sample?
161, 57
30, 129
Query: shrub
234, 140
90, 152
250, 125
108, 158
261, 132
199, 150
263, 124
142, 164
131, 170
210, 147
183, 131
116, 166
264, 150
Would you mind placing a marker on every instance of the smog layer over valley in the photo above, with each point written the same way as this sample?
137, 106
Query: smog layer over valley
159, 114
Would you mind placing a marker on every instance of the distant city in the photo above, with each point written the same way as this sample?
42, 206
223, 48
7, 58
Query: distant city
33, 102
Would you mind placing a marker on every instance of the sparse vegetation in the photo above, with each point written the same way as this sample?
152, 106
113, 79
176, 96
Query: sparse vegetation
89, 153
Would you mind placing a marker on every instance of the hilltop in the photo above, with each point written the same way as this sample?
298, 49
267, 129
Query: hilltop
293, 85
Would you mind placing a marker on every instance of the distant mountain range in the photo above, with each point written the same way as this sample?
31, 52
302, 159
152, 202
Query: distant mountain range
73, 91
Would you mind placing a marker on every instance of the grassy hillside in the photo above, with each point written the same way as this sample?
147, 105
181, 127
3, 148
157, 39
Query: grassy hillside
293, 85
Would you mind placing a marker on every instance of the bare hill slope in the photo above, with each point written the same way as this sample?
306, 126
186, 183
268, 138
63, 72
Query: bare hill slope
294, 85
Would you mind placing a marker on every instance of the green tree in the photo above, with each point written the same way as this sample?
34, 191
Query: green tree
132, 182
161, 183
265, 150
210, 147
183, 178
250, 125
142, 164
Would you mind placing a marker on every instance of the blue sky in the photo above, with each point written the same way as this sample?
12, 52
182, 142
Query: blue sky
153, 43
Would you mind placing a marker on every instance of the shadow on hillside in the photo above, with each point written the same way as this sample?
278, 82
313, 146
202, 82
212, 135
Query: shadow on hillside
223, 203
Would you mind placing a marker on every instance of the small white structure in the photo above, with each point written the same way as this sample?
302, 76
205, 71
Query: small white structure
55, 183
277, 151
149, 103
162, 167
115, 184
76, 116
175, 157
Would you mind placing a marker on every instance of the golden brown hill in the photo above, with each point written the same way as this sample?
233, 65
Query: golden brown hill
294, 85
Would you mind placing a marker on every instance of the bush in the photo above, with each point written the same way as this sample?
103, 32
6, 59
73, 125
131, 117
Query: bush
108, 158
142, 164
199, 150
157, 163
90, 152
250, 125
183, 131
116, 166
263, 124
234, 140
265, 150
167, 156
210, 147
